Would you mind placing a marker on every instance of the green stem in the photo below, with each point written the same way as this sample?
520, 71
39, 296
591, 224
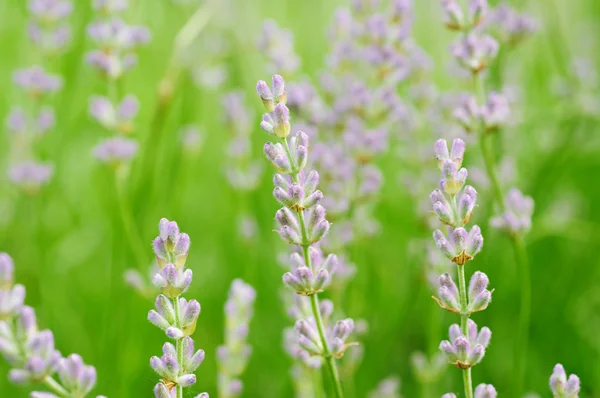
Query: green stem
178, 345
55, 387
314, 299
462, 286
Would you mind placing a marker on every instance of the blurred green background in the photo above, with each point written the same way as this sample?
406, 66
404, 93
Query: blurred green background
71, 244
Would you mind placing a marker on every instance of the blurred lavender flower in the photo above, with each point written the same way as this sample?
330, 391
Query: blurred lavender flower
509, 25
112, 117
428, 370
232, 357
37, 82
47, 27
118, 42
561, 386
474, 52
175, 315
31, 352
29, 175
191, 138
110, 7
387, 388
516, 219
485, 391
115, 151
277, 45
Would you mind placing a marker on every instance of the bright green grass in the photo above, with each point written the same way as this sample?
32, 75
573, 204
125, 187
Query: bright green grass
70, 245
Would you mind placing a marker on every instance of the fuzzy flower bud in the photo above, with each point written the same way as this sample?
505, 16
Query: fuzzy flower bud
171, 246
479, 296
475, 52
453, 15
466, 351
561, 386
517, 217
306, 280
449, 297
485, 391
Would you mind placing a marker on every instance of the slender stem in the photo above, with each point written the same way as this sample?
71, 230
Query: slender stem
462, 286
314, 299
522, 261
178, 345
55, 387
329, 359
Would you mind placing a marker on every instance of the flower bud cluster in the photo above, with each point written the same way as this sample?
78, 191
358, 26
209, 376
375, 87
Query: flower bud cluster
475, 52
116, 42
478, 295
233, 355
465, 351
510, 26
48, 28
29, 124
456, 18
303, 280
453, 203
516, 219
387, 388
173, 314
481, 391
302, 222
561, 386
277, 45
488, 117
30, 351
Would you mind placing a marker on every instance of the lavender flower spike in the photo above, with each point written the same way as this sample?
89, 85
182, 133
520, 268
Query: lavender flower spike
561, 386
233, 356
31, 352
453, 203
302, 222
175, 315
485, 391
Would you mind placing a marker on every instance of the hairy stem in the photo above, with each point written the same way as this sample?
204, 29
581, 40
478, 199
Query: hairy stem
463, 325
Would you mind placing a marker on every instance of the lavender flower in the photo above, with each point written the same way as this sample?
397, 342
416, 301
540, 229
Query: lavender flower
30, 176
31, 352
561, 386
485, 391
36, 81
475, 52
117, 118
387, 388
118, 42
302, 223
47, 27
516, 219
109, 7
233, 356
511, 26
467, 350
115, 151
175, 315
453, 203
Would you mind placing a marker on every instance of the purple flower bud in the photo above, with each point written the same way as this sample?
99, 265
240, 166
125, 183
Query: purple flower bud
6, 271
281, 115
116, 150
475, 52
560, 386
517, 217
279, 89
496, 112
453, 15
29, 175
186, 380
268, 124
485, 391
36, 81
448, 293
265, 94
161, 391
77, 377
477, 11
